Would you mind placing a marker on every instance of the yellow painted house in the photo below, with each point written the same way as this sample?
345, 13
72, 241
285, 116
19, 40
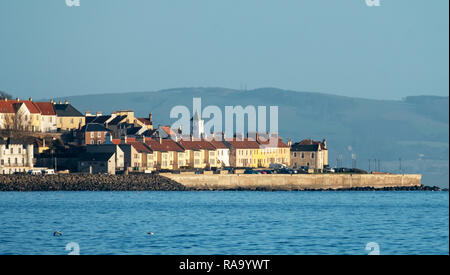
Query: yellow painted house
67, 117
274, 151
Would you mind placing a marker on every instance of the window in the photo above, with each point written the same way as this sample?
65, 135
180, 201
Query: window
92, 142
99, 142
303, 155
312, 155
99, 134
295, 155
92, 134
71, 121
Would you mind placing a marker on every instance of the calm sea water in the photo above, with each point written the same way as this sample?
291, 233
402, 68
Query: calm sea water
225, 222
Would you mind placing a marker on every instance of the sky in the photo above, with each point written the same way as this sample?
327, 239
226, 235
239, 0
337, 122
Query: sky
341, 47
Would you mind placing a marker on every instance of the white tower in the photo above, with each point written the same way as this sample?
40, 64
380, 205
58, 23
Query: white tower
197, 126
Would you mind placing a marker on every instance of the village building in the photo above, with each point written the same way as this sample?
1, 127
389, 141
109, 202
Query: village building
15, 156
272, 151
145, 157
109, 148
68, 118
223, 153
48, 117
94, 133
200, 154
243, 151
145, 122
167, 154
97, 163
310, 154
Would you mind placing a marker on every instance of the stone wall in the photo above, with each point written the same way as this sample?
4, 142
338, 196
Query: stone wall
294, 182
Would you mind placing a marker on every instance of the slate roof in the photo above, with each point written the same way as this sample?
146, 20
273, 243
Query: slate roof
305, 148
94, 127
101, 119
117, 120
66, 110
96, 156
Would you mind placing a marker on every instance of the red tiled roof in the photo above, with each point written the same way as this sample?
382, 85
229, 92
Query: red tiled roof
169, 131
141, 147
166, 145
218, 144
243, 144
30, 106
269, 143
145, 121
6, 107
196, 145
46, 108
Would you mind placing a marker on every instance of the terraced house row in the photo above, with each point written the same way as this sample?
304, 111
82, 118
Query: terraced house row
149, 154
46, 117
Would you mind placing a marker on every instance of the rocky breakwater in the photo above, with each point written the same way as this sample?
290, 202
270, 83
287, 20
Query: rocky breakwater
87, 182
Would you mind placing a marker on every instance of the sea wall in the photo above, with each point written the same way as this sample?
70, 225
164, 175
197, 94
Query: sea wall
87, 182
294, 182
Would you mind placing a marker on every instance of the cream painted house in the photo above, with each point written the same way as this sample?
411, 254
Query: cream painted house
15, 156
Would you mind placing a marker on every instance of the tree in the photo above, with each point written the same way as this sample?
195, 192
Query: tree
4, 95
13, 125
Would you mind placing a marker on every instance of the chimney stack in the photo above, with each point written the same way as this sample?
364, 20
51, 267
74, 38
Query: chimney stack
290, 142
66, 102
160, 140
150, 117
30, 99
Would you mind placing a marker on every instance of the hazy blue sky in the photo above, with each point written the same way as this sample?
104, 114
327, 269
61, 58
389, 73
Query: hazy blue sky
334, 46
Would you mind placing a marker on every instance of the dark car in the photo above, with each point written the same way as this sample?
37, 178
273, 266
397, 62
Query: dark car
251, 172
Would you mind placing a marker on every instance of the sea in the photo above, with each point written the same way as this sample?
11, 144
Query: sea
224, 223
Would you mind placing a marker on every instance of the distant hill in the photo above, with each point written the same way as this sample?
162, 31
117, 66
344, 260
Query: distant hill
415, 129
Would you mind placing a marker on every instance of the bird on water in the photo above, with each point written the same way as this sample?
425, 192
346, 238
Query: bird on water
57, 233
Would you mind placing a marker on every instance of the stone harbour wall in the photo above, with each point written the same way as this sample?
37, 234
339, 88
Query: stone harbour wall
295, 182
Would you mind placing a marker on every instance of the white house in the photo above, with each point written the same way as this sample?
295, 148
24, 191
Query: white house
15, 156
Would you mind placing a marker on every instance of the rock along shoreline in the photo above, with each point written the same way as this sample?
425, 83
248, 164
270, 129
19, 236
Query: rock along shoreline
137, 182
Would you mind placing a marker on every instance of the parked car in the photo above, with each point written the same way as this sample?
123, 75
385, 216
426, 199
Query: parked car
286, 171
251, 172
48, 171
277, 166
34, 172
328, 170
